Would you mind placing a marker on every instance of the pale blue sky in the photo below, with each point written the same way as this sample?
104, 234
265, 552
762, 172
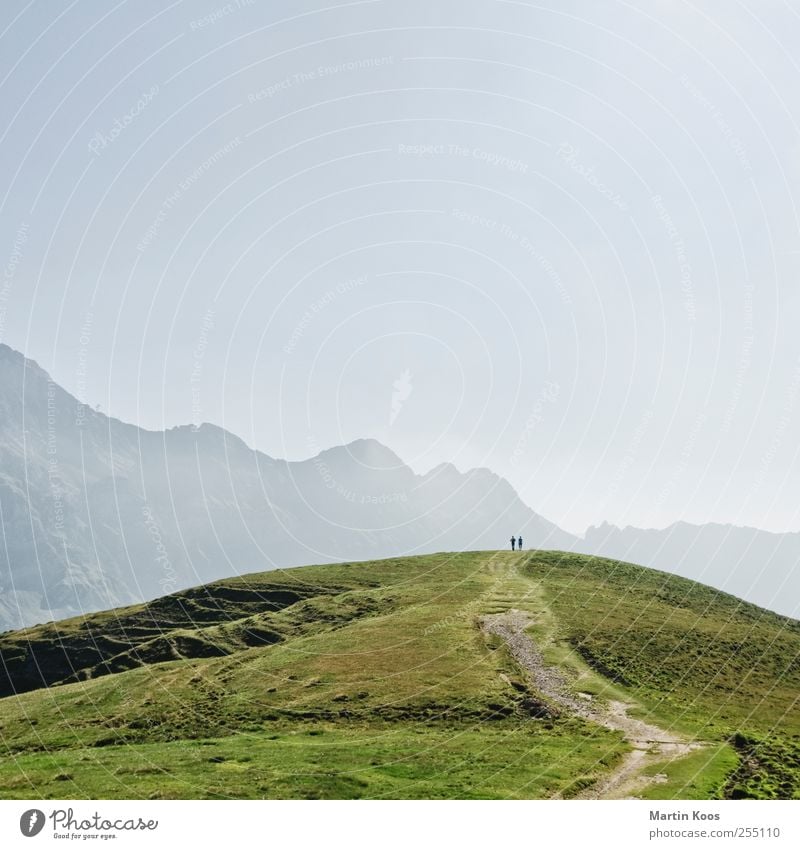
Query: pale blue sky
572, 225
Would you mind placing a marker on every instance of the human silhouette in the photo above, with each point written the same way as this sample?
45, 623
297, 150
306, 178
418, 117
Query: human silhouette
513, 543
519, 543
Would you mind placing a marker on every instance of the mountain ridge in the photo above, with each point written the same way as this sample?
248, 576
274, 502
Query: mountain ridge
112, 514
679, 523
96, 512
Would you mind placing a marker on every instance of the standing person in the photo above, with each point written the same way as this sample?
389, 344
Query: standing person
513, 543
519, 543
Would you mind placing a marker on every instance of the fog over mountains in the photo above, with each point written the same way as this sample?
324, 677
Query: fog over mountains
755, 565
96, 513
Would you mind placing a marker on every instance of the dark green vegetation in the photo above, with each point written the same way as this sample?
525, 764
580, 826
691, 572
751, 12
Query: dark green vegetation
375, 680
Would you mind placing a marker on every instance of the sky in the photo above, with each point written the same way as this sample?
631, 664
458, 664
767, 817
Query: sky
559, 240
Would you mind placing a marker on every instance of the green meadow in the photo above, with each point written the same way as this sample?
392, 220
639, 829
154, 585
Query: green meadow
376, 680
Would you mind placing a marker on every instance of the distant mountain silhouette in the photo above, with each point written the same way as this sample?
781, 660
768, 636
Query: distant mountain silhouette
96, 513
759, 566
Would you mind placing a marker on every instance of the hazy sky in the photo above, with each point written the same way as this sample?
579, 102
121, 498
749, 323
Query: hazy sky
556, 239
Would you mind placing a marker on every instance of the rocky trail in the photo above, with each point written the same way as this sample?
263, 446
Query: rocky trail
650, 743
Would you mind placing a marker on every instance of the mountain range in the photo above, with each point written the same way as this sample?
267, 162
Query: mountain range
96, 513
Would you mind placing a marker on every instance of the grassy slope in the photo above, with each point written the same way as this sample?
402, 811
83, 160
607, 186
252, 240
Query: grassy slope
374, 680
703, 662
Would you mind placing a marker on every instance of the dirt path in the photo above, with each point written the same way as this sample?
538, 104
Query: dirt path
650, 743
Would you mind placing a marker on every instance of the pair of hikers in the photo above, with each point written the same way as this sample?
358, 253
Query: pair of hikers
517, 543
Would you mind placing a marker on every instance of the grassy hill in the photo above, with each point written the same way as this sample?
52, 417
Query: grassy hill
377, 680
